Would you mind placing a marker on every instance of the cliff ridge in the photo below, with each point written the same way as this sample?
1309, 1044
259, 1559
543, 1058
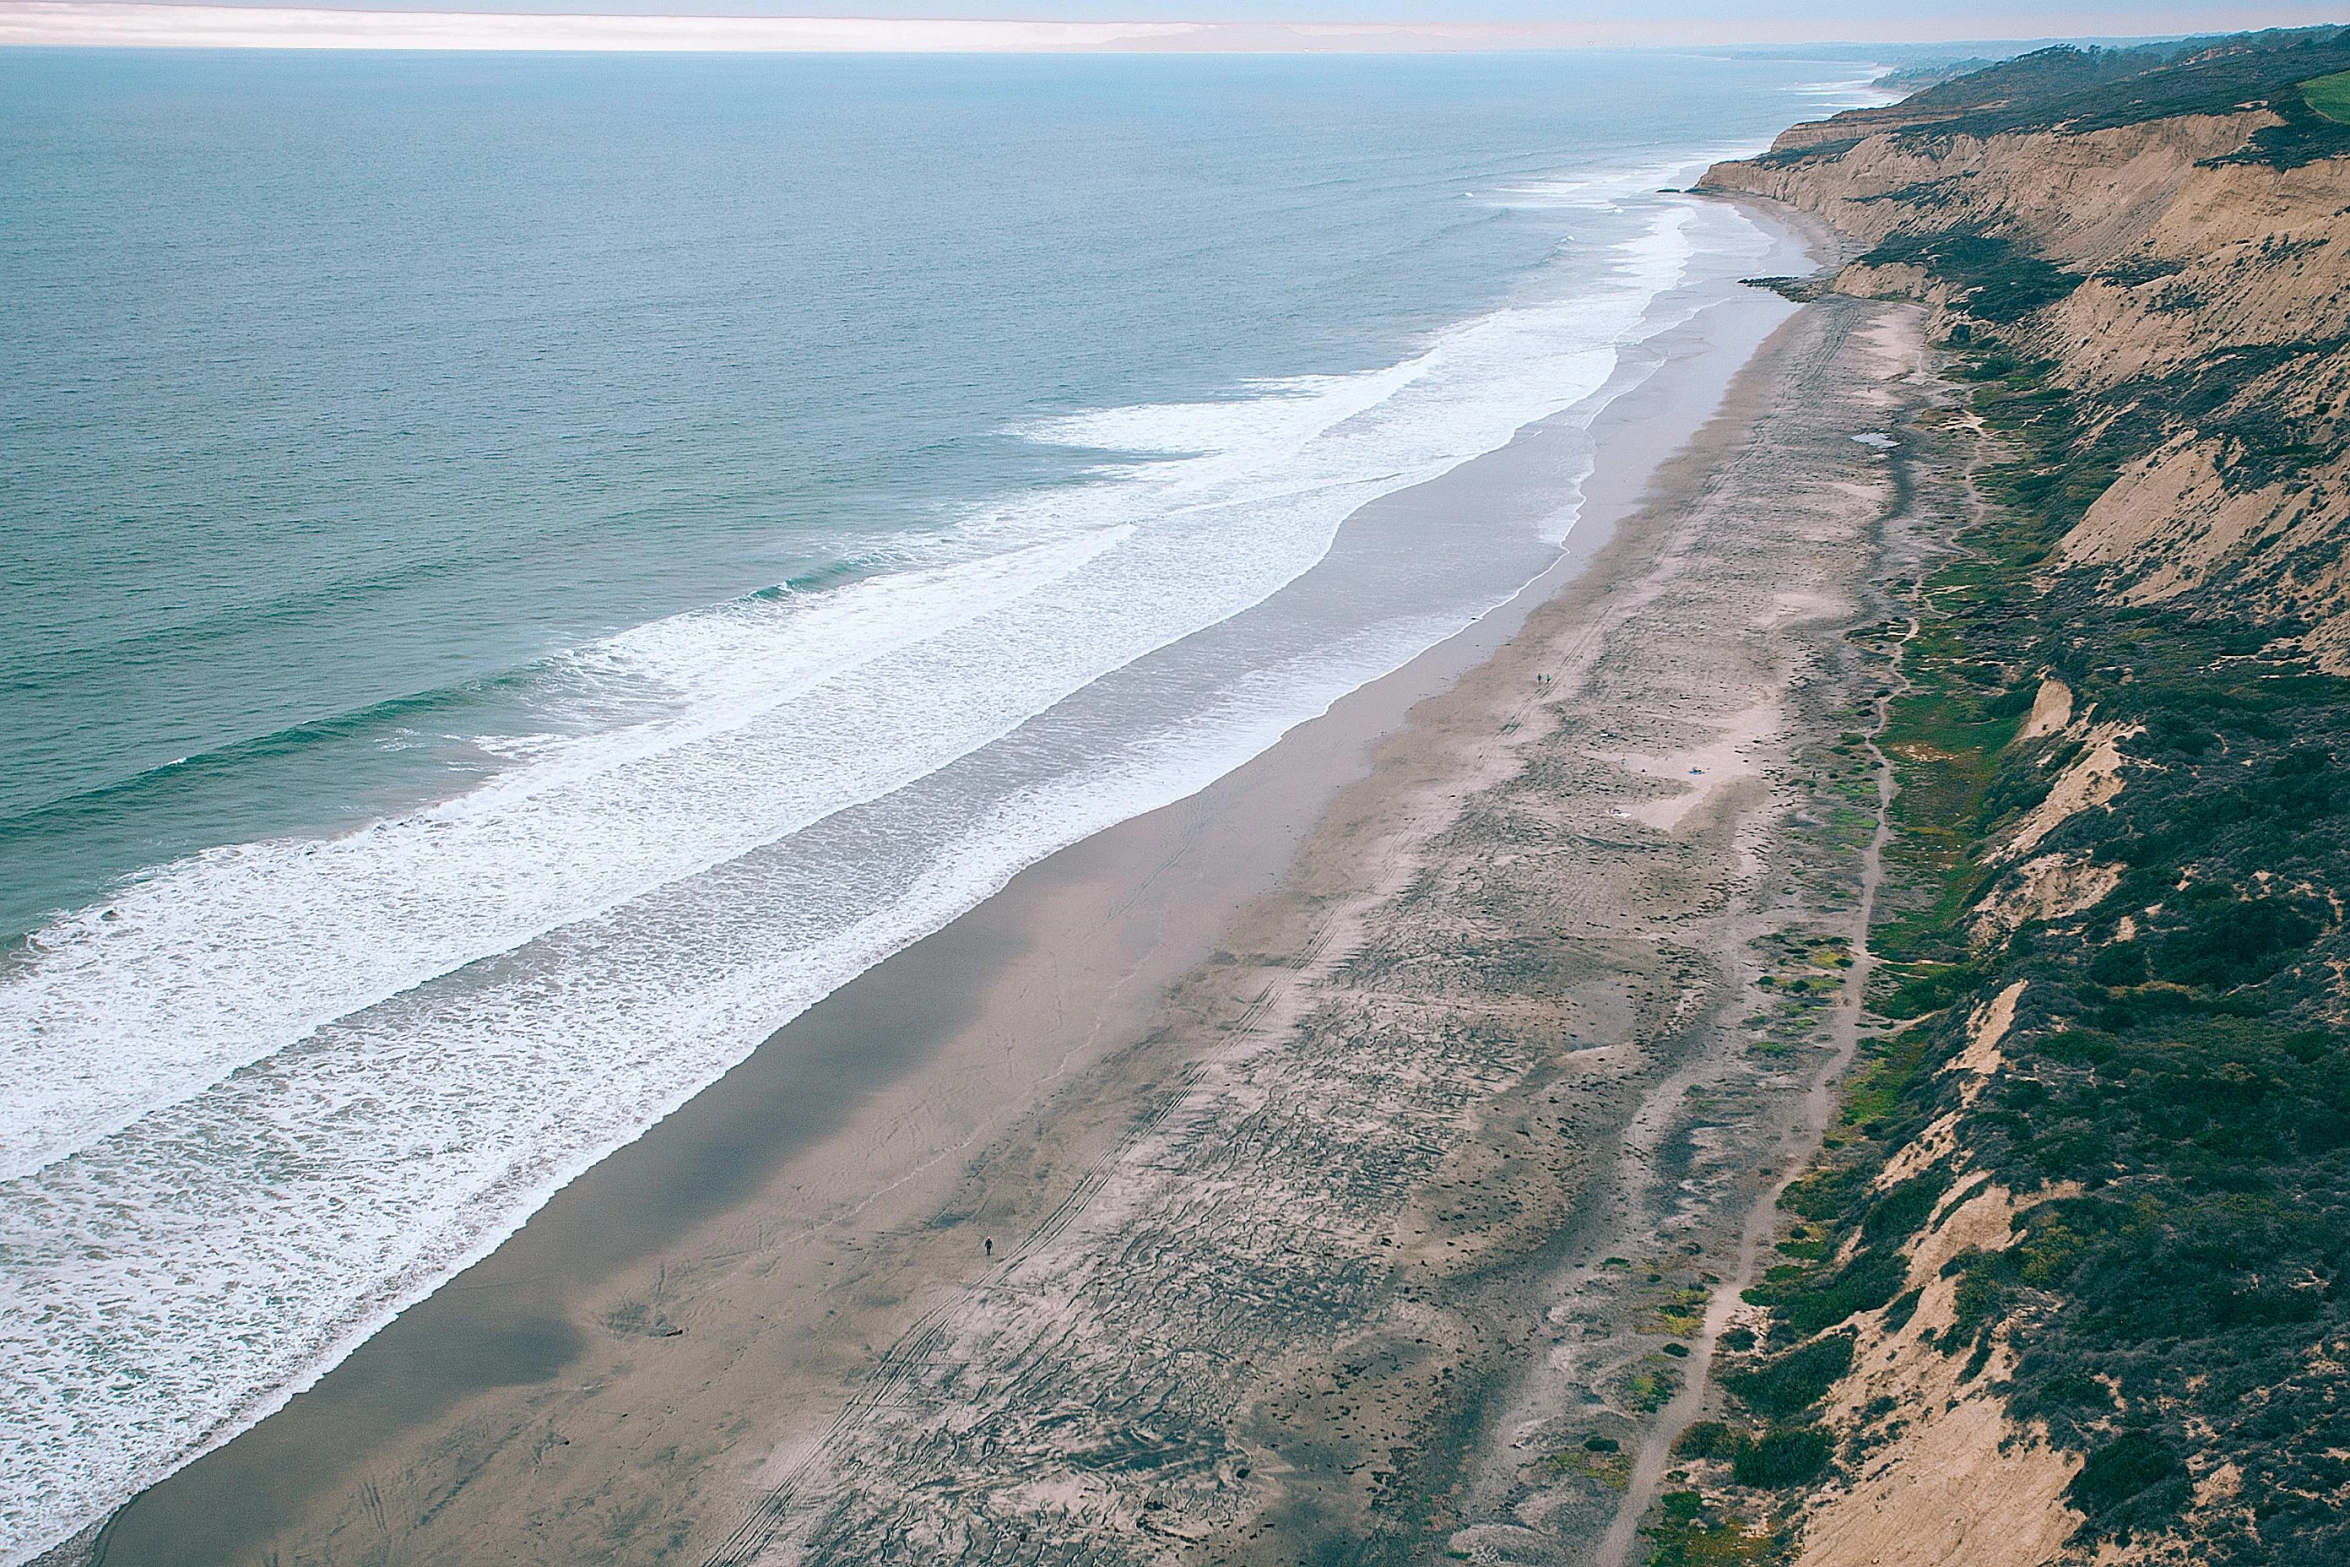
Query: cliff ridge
2070, 1281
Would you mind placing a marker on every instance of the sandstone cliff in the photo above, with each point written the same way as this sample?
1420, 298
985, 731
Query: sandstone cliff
2071, 1282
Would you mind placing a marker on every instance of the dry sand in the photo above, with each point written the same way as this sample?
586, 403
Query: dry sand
1350, 1137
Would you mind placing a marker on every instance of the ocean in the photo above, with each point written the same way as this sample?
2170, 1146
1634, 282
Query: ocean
523, 573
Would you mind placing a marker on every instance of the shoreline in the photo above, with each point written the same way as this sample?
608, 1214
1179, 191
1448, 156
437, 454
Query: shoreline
1338, 1274
840, 1144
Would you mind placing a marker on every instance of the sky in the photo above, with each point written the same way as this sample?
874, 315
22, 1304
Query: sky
1163, 25
1821, 18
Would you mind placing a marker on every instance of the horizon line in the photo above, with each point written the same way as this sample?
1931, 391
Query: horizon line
146, 24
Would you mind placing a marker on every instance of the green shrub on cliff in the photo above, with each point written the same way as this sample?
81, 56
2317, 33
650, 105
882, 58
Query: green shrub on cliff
1783, 1458
1793, 1382
1994, 279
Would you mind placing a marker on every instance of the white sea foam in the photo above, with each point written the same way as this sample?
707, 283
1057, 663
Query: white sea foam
1857, 91
785, 711
266, 1096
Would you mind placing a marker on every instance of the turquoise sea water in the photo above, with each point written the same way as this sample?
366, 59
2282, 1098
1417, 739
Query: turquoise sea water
522, 573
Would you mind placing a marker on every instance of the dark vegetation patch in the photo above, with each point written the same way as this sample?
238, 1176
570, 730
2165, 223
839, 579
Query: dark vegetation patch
1778, 1459
1815, 152
1806, 1302
1707, 1439
2138, 271
1995, 281
1689, 1530
1793, 1382
2132, 1481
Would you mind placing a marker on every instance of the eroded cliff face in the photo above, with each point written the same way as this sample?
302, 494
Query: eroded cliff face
2198, 306
2070, 1282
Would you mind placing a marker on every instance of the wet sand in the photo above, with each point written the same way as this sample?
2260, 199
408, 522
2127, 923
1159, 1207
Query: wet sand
681, 1331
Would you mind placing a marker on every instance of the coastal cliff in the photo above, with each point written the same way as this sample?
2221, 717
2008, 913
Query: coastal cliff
2068, 1281
2179, 260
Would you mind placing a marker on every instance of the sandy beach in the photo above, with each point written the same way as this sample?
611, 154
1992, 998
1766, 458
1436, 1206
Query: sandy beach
1307, 1170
